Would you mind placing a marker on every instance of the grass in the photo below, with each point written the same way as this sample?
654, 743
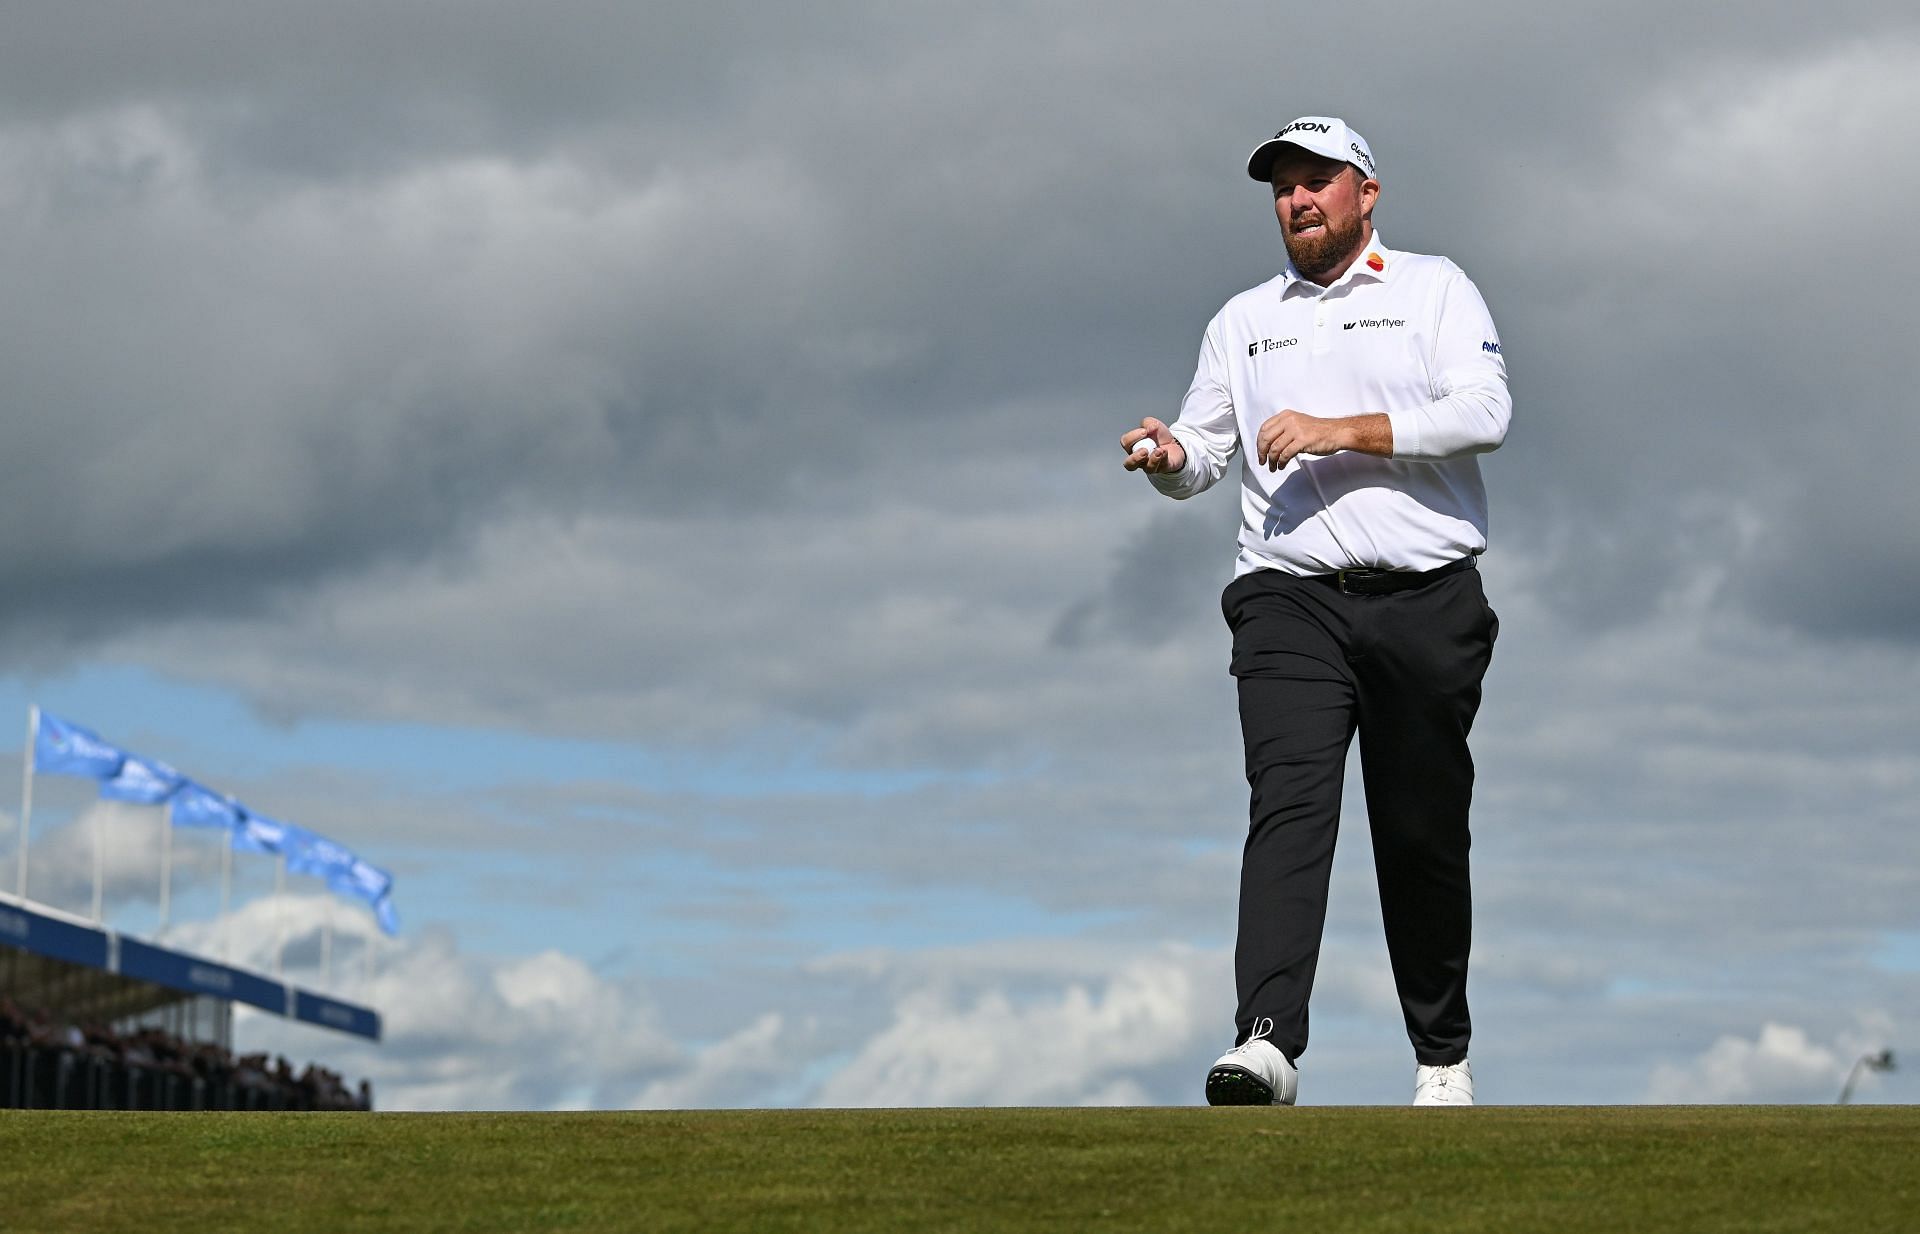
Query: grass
1533, 1169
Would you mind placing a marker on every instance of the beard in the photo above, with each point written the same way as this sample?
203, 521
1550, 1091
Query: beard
1319, 255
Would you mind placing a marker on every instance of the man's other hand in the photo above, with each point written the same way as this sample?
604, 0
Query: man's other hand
1293, 433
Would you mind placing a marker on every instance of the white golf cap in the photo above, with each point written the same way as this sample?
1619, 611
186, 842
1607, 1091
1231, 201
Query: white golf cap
1327, 136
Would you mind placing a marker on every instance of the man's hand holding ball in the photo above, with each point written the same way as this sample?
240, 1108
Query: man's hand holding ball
1151, 448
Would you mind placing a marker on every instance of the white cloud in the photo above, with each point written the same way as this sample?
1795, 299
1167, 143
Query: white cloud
753, 1067
1781, 1064
60, 866
1081, 1045
459, 1031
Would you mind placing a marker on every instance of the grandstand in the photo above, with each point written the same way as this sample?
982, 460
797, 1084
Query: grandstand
91, 1018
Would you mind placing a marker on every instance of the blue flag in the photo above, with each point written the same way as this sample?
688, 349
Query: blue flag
369, 882
363, 879
145, 781
259, 834
64, 749
198, 806
389, 920
313, 854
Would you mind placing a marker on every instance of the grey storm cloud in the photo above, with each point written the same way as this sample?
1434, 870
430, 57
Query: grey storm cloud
300, 293
691, 372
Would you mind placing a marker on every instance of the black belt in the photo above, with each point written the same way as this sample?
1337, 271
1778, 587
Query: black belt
1372, 582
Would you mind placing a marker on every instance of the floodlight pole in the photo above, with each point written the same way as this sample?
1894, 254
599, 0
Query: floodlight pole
26, 796
1883, 1061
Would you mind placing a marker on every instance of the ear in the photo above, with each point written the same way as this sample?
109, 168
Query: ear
1369, 195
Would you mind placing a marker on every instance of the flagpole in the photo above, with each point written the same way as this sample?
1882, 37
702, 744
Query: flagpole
280, 913
326, 949
26, 796
99, 861
166, 865
226, 890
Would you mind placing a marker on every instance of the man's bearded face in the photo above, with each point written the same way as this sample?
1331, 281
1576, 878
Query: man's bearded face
1322, 207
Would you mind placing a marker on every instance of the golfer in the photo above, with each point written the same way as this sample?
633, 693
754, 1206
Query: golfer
1359, 388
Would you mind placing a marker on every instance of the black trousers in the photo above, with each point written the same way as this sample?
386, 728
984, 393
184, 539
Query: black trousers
1315, 666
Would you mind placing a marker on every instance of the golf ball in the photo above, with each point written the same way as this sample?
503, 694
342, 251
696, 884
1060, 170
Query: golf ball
1143, 445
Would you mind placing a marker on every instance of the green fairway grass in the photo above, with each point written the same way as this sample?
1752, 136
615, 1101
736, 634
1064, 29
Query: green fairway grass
1538, 1170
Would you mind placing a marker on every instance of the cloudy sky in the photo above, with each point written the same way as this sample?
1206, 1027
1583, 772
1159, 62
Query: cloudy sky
649, 476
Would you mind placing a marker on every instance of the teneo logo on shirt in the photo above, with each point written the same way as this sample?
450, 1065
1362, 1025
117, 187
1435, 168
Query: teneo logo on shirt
1375, 323
1270, 344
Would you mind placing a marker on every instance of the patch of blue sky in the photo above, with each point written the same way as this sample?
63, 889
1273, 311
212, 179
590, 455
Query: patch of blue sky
1898, 951
211, 733
1644, 987
671, 913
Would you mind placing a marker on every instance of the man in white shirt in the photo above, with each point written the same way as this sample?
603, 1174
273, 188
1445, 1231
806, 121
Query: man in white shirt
1359, 387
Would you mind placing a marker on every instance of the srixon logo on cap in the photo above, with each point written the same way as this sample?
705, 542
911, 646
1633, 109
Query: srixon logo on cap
1303, 124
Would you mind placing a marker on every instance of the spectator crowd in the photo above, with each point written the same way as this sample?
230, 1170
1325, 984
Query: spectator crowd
49, 1065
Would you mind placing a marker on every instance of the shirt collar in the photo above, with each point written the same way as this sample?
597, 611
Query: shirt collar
1374, 264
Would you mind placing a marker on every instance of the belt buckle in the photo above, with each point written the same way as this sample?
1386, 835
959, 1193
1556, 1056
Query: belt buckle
1362, 575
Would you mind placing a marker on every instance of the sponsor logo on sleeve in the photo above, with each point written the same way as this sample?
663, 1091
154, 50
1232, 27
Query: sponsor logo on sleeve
1491, 348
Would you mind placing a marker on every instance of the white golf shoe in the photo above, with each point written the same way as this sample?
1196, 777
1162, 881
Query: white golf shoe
1451, 1085
1256, 1073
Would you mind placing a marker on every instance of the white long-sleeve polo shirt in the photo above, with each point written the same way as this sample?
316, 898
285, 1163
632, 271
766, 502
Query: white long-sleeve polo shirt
1401, 333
